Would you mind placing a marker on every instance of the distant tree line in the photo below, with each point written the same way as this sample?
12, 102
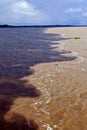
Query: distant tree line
7, 26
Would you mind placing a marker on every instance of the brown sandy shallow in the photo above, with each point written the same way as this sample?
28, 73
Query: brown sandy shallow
60, 101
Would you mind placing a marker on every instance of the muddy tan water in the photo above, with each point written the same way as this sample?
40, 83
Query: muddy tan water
43, 78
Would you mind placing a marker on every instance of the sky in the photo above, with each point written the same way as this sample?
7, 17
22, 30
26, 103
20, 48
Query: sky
43, 12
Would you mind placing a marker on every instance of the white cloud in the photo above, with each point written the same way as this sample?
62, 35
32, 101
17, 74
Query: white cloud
70, 10
24, 8
83, 12
22, 11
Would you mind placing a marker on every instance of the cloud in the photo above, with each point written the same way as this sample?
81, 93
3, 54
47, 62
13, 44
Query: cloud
70, 10
24, 8
21, 12
82, 12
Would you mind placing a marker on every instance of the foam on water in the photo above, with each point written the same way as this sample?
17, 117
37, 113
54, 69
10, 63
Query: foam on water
80, 59
48, 127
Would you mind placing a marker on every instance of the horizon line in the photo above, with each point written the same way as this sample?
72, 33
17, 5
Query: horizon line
47, 25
